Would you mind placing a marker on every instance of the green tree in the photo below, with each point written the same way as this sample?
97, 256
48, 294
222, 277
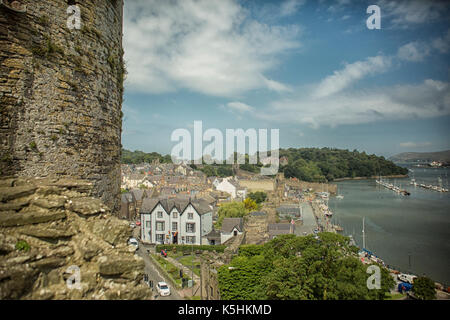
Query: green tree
424, 289
241, 280
300, 268
258, 196
230, 210
250, 205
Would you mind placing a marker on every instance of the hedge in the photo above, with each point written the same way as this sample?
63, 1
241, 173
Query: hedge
188, 248
249, 250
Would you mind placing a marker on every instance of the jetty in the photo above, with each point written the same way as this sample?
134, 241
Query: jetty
438, 188
392, 187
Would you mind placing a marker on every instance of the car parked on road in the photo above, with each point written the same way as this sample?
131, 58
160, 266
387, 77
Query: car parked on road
132, 225
408, 278
138, 223
134, 242
163, 289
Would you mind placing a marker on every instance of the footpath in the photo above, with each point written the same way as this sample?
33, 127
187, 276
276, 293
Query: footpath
184, 293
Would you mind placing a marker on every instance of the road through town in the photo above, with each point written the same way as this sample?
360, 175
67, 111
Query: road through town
155, 276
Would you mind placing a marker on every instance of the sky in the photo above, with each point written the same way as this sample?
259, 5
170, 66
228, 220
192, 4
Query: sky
312, 69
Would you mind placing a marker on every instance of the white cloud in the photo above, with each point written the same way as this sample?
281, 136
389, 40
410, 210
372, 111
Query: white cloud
442, 44
211, 47
406, 13
415, 144
341, 79
425, 100
290, 7
417, 51
240, 107
338, 5
413, 51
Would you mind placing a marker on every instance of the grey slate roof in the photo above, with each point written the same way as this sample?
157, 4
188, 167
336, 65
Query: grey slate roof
257, 213
276, 229
127, 197
213, 235
279, 226
138, 194
208, 198
228, 224
180, 203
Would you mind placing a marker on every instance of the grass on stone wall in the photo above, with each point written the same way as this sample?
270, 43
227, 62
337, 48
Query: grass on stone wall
48, 49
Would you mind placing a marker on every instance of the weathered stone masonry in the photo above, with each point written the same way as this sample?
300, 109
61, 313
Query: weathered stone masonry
60, 105
48, 225
61, 93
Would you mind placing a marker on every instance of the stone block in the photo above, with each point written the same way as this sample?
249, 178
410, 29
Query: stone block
87, 206
12, 218
10, 193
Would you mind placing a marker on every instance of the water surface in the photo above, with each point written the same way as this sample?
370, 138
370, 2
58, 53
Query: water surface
411, 233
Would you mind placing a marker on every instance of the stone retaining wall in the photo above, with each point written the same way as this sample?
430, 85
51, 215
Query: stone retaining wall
48, 225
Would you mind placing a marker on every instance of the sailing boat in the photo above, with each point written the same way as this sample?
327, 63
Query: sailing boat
338, 226
339, 196
364, 236
364, 253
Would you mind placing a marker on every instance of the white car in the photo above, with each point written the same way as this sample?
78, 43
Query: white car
134, 242
163, 289
406, 277
132, 225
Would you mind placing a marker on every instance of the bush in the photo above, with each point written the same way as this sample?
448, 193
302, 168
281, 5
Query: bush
248, 250
258, 196
423, 288
188, 248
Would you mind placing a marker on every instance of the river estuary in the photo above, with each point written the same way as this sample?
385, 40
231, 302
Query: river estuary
410, 233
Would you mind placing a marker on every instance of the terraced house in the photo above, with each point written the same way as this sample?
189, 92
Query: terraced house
178, 220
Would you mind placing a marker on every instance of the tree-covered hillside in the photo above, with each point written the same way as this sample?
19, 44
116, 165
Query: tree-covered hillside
135, 157
313, 164
307, 164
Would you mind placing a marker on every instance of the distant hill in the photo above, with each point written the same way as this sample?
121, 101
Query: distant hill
135, 157
307, 164
328, 164
443, 156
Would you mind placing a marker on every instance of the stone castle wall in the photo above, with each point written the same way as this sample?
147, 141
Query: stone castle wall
258, 185
49, 226
61, 93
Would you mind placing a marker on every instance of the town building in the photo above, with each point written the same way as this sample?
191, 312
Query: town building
276, 229
231, 227
232, 187
178, 220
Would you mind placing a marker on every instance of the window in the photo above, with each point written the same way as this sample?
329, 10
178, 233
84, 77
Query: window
190, 239
160, 238
174, 226
160, 226
160, 214
190, 227
190, 215
147, 224
175, 214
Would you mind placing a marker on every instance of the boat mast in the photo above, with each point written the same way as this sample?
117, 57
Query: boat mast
364, 236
